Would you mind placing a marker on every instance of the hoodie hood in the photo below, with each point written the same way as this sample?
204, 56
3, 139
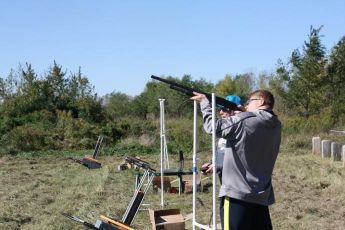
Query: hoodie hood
268, 117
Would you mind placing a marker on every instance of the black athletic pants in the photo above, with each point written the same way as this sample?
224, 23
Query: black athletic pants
239, 215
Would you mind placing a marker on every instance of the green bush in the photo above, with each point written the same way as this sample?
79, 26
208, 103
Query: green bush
23, 138
312, 124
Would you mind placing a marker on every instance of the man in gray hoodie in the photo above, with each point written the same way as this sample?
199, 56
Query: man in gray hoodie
252, 145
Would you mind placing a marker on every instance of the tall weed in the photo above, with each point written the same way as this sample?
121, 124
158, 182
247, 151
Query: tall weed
312, 124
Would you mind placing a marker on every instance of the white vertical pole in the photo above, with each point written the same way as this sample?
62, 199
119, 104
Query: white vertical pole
214, 159
214, 219
166, 157
195, 135
161, 103
163, 136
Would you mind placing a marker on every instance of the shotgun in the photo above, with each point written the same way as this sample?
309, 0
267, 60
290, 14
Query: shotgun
189, 92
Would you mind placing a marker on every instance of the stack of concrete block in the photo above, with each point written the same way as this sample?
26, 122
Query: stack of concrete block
329, 149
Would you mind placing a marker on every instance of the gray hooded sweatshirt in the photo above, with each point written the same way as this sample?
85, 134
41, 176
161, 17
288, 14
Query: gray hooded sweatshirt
253, 140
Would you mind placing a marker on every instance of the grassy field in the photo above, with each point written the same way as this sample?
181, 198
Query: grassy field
35, 190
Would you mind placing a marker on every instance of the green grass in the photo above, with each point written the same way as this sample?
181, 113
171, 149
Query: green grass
35, 190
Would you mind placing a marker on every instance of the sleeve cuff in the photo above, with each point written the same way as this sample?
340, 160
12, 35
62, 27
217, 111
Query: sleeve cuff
204, 103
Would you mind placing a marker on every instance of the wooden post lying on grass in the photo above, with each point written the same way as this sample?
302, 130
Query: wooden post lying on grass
325, 148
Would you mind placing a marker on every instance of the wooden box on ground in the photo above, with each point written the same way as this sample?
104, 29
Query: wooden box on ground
157, 183
188, 183
169, 219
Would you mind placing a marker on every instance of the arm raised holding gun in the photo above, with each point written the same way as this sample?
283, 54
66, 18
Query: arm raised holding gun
190, 92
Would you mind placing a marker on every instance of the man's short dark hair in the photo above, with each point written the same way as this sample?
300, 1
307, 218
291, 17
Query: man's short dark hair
266, 95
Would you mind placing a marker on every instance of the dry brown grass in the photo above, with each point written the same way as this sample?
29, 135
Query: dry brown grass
309, 192
34, 190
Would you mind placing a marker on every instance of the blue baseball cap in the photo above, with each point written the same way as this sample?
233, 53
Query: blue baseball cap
234, 98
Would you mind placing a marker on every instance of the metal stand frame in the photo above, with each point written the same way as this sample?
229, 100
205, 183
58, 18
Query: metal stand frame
90, 161
107, 223
97, 147
138, 197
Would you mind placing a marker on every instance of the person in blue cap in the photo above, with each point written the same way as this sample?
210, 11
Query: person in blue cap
224, 114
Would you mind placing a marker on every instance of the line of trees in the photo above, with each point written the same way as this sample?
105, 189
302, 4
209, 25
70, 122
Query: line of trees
62, 111
312, 82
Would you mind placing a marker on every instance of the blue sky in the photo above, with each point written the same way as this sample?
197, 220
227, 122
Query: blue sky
120, 44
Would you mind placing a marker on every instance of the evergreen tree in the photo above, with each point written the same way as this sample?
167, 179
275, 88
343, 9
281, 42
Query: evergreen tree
304, 90
336, 81
56, 88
